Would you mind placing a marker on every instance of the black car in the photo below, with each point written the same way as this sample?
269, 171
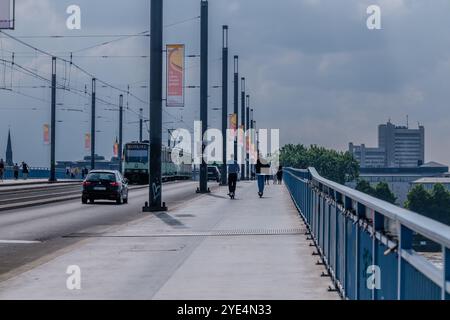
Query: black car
213, 173
105, 185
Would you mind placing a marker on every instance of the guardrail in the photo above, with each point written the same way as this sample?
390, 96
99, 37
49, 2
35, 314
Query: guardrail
367, 244
39, 173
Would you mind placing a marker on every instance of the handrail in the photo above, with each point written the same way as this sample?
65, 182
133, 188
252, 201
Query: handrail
348, 240
425, 226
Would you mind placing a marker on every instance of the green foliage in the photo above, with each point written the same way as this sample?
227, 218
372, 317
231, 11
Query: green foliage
340, 167
434, 204
365, 187
381, 191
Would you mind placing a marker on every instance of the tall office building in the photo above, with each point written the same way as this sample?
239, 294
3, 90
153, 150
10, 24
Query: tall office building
398, 147
405, 147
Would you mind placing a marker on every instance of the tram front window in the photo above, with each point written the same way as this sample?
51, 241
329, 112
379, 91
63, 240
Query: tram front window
139, 156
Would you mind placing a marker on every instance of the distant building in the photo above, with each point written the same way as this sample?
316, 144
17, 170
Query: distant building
400, 180
398, 147
9, 152
429, 183
368, 157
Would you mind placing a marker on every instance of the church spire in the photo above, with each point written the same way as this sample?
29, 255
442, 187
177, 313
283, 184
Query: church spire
9, 153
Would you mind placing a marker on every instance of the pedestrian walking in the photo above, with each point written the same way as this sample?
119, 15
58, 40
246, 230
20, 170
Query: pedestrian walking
25, 170
2, 169
16, 171
280, 175
233, 172
262, 171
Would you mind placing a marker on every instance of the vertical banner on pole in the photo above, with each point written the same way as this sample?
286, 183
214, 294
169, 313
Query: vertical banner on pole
233, 122
241, 135
7, 12
175, 75
46, 134
87, 141
116, 149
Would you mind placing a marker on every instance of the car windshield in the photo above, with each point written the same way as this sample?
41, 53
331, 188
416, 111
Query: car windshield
101, 176
212, 170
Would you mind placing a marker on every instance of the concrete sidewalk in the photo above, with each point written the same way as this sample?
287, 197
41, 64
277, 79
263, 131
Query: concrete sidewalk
213, 248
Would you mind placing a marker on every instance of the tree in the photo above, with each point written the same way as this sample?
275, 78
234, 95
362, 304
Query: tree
434, 205
333, 165
440, 204
419, 200
383, 192
365, 187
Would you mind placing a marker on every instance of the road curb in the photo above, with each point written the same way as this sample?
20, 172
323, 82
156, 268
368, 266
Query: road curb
37, 185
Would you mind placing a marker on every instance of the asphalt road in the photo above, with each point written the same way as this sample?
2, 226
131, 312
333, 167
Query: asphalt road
50, 225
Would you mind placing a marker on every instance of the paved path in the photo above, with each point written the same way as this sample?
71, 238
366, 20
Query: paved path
213, 248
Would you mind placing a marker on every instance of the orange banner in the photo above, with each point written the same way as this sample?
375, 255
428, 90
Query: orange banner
116, 149
233, 121
87, 141
175, 75
46, 134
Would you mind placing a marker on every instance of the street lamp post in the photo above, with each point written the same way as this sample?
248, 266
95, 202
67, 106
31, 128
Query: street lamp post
120, 132
93, 117
224, 103
53, 125
155, 203
141, 124
243, 125
247, 127
203, 188
252, 127
236, 101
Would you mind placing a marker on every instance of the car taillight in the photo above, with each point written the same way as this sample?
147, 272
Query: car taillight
114, 184
86, 183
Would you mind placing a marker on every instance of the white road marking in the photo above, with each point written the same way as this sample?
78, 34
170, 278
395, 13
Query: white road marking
18, 242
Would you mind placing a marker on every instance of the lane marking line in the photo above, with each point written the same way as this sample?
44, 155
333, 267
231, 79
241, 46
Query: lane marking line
18, 242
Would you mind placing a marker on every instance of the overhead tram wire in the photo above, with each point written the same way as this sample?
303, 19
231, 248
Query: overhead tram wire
72, 64
72, 90
43, 52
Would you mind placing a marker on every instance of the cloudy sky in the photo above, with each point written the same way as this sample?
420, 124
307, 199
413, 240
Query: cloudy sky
314, 70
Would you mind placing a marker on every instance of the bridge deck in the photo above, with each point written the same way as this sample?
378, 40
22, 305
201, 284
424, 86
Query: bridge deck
210, 248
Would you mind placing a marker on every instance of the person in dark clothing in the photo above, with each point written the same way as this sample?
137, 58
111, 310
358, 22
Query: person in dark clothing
233, 171
262, 170
16, 171
280, 175
25, 170
2, 169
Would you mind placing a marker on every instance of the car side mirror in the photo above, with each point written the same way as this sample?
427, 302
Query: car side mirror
125, 180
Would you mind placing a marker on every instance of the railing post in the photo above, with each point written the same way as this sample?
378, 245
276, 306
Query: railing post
348, 206
446, 258
378, 226
336, 234
404, 243
360, 211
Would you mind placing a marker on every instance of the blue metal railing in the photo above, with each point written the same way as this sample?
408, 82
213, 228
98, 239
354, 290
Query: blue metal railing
40, 173
367, 244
